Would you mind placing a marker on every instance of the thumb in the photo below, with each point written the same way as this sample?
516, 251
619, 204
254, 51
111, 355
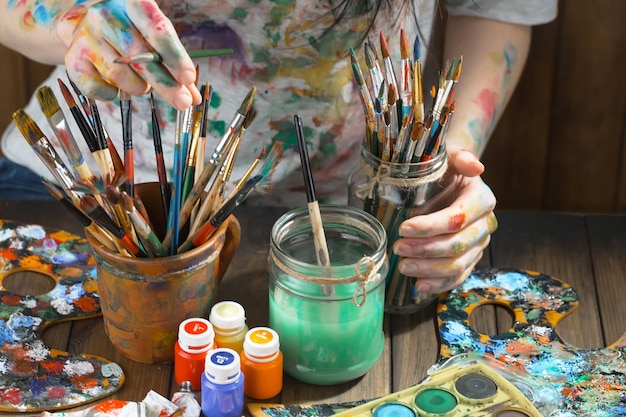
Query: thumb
465, 162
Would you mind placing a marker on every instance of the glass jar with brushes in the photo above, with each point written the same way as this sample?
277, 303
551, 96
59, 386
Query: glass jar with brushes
393, 192
329, 318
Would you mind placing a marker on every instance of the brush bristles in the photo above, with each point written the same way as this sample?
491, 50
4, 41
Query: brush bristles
27, 126
405, 47
52, 189
66, 93
384, 48
47, 101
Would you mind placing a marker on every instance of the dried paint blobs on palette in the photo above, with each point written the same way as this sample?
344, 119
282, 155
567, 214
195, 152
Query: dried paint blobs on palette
35, 377
591, 382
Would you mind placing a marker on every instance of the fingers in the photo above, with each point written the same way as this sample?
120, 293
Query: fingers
474, 201
449, 245
105, 33
440, 285
89, 62
464, 162
174, 77
160, 34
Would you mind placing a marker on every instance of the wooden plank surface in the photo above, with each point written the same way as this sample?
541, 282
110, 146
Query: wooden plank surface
573, 248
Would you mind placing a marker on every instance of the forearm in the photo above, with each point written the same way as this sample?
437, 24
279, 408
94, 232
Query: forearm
494, 54
31, 27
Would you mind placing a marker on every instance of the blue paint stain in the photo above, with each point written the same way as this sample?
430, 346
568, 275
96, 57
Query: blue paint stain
37, 387
7, 335
20, 321
65, 258
42, 15
31, 232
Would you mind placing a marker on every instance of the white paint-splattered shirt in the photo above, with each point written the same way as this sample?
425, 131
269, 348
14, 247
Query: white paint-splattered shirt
281, 48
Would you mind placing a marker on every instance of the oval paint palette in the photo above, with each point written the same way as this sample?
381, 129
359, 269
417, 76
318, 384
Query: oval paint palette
466, 388
35, 377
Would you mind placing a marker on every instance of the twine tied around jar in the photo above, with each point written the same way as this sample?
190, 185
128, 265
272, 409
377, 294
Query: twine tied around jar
382, 175
363, 278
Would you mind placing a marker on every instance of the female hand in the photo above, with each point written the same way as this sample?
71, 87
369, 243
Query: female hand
442, 248
96, 33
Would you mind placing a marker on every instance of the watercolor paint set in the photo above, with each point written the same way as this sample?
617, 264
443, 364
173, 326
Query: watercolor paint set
467, 385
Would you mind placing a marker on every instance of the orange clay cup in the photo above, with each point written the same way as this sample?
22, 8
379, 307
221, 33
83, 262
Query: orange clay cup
144, 300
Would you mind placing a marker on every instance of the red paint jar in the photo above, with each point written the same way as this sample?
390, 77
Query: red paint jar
195, 339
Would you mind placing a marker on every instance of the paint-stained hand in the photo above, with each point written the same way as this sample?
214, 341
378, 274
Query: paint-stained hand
443, 247
97, 33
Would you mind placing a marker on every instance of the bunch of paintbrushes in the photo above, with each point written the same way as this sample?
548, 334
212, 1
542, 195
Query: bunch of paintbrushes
398, 130
402, 136
194, 202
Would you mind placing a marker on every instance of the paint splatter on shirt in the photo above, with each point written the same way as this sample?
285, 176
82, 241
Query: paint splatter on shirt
298, 61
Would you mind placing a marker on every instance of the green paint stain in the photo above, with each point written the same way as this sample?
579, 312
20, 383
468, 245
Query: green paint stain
239, 14
216, 100
218, 126
327, 144
283, 2
327, 45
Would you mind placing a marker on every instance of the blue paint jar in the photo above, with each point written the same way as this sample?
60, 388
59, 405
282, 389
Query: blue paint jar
222, 384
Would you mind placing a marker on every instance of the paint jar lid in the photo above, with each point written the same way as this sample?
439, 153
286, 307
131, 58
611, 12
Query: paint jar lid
227, 317
195, 335
261, 344
222, 366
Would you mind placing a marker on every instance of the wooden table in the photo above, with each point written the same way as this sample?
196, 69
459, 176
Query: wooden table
586, 251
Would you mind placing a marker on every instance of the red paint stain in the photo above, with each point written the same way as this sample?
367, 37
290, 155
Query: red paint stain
86, 304
520, 348
84, 382
109, 405
11, 300
56, 392
11, 396
456, 222
8, 255
53, 367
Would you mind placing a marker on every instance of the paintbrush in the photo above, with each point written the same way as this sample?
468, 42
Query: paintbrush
90, 206
373, 67
317, 226
158, 152
142, 227
126, 112
103, 153
214, 197
215, 159
364, 94
390, 74
418, 93
192, 156
85, 102
51, 109
46, 152
177, 179
88, 134
270, 161
155, 57
203, 129
100, 235
114, 200
406, 87
207, 230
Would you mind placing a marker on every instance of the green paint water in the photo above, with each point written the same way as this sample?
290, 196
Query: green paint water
327, 339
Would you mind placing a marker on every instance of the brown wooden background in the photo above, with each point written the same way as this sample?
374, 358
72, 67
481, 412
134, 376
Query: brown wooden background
560, 146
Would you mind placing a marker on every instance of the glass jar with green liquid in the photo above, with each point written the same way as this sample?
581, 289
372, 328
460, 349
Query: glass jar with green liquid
329, 319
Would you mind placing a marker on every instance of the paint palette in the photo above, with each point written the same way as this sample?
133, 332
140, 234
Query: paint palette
462, 387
